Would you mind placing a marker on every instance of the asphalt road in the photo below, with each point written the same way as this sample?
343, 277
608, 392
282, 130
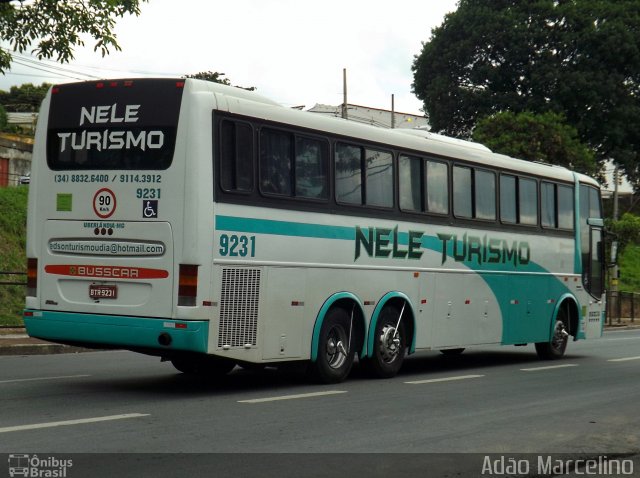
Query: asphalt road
490, 400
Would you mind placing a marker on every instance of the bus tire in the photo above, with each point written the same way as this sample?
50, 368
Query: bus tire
389, 348
555, 348
205, 365
335, 354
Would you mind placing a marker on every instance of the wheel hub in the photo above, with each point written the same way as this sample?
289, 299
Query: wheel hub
560, 335
389, 344
336, 351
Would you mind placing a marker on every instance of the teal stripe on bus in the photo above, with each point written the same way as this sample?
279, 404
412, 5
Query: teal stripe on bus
498, 277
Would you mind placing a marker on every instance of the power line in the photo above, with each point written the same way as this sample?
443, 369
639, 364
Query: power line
19, 62
46, 66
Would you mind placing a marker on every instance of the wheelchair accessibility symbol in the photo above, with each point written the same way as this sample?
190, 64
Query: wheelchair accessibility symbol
149, 209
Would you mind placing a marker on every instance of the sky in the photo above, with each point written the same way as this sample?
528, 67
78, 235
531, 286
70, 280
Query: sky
293, 52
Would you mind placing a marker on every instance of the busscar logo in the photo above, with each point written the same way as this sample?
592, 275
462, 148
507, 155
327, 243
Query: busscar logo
37, 467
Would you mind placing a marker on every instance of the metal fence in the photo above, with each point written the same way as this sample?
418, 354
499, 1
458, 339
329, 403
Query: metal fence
622, 307
12, 278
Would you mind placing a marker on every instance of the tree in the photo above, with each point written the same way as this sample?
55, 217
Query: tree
3, 119
216, 77
627, 230
580, 58
24, 98
55, 27
536, 137
213, 76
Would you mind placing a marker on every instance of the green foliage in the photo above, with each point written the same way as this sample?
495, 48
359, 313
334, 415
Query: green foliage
24, 98
13, 220
216, 77
627, 228
213, 76
56, 27
580, 58
3, 118
536, 137
629, 266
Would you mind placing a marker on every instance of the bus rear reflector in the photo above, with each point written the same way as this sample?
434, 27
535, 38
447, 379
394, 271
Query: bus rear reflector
32, 277
188, 285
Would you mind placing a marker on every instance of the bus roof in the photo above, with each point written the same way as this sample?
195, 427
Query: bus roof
251, 103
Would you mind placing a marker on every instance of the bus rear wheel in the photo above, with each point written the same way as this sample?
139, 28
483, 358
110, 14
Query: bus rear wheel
389, 345
335, 352
555, 348
203, 365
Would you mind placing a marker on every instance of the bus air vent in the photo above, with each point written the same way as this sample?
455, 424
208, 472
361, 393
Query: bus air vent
239, 307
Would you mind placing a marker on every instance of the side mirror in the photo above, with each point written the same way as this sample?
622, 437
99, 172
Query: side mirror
614, 252
595, 221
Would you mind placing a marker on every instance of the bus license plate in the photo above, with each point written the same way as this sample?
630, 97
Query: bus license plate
103, 291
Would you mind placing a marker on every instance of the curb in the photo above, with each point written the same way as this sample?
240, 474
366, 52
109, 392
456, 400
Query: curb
39, 349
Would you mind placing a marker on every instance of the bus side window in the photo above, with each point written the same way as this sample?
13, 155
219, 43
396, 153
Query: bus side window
379, 185
348, 174
528, 201
462, 189
437, 187
312, 165
276, 151
410, 169
565, 207
485, 194
548, 203
236, 156
508, 201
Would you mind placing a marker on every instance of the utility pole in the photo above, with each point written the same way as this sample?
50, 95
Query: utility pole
344, 93
616, 180
615, 273
393, 111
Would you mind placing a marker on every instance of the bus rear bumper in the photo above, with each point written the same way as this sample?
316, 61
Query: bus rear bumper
118, 331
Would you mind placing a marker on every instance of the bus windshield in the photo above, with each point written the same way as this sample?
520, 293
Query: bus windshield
125, 124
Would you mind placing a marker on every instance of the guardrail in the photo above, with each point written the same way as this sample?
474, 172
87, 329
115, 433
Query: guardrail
622, 307
3, 276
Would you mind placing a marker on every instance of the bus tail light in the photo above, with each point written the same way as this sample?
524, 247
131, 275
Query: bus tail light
32, 277
188, 285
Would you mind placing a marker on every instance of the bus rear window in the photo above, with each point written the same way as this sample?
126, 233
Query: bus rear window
128, 125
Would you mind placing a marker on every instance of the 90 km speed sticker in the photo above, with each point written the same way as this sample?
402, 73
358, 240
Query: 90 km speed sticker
104, 203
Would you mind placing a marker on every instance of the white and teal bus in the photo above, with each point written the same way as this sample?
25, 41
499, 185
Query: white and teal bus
212, 227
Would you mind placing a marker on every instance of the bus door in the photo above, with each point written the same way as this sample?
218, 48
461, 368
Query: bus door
593, 260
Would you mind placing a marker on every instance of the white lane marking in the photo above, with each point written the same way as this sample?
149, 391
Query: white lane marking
293, 397
624, 359
616, 339
550, 367
445, 379
43, 378
80, 421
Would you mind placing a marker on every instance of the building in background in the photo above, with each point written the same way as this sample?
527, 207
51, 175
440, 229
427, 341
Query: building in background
374, 116
15, 159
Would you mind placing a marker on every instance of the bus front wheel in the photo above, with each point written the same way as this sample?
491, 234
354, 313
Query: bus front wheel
555, 348
335, 350
389, 346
